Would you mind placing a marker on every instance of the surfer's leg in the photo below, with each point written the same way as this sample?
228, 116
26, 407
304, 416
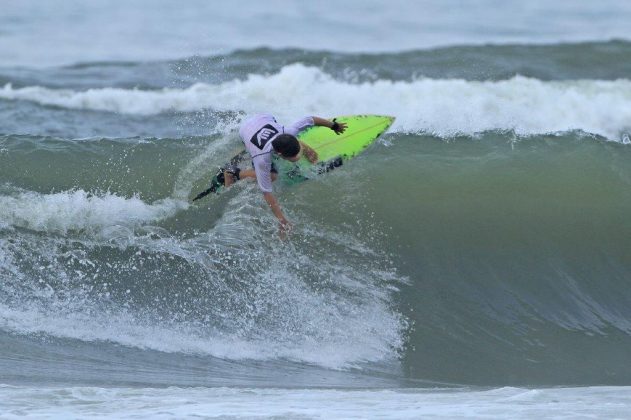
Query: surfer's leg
247, 173
231, 174
227, 179
244, 174
250, 173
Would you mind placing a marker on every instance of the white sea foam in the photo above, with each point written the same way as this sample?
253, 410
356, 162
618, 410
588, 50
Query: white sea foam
334, 335
132, 330
80, 211
443, 107
279, 317
166, 403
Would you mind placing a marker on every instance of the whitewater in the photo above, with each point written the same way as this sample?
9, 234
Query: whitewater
443, 107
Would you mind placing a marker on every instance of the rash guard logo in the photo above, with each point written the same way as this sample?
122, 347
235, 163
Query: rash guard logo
261, 137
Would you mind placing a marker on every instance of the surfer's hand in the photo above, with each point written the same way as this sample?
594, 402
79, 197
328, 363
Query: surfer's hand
311, 155
339, 127
284, 229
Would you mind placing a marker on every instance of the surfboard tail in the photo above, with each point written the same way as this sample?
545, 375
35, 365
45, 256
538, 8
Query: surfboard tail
216, 183
204, 193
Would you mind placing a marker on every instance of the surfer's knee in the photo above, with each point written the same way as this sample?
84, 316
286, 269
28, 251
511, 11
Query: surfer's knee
248, 173
231, 175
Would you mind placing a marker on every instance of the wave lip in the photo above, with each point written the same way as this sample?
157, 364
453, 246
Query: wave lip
445, 107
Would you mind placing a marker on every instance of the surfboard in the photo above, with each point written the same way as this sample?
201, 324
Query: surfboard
333, 150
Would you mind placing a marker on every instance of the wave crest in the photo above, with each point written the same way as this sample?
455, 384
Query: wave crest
445, 107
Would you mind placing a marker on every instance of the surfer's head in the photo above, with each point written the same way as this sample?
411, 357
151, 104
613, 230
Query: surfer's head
287, 146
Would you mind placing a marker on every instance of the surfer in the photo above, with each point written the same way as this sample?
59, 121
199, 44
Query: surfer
264, 136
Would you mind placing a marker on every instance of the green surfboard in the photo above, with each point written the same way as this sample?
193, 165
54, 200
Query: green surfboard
333, 149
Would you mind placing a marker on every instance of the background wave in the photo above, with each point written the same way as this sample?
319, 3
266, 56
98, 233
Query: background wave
442, 107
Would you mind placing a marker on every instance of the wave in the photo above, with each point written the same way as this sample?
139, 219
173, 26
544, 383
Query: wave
444, 107
491, 259
565, 61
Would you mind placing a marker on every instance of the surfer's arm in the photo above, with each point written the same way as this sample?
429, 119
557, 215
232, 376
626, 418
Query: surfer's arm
262, 168
285, 226
309, 153
338, 127
273, 203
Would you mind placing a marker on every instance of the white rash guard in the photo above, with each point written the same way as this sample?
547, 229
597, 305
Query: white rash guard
258, 133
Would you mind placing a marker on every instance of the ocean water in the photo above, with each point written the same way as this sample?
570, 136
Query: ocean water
473, 262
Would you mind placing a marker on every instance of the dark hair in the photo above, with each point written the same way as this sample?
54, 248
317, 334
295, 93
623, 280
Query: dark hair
287, 145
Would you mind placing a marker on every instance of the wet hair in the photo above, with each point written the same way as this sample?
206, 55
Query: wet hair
287, 145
